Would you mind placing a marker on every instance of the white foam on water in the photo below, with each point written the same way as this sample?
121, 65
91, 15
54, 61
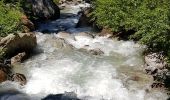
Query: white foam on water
92, 78
105, 44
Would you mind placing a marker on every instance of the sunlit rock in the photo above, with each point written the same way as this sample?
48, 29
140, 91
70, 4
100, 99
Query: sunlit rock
45, 9
18, 58
20, 78
13, 44
28, 25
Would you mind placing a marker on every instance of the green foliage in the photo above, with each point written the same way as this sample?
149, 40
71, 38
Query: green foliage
2, 53
56, 1
9, 19
150, 19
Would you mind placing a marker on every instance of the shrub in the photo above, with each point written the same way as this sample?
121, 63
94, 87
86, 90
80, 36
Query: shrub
9, 19
150, 19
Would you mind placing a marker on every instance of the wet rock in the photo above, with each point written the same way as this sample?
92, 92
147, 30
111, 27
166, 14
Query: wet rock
65, 96
28, 25
64, 35
21, 42
85, 34
156, 65
5, 71
45, 9
135, 78
106, 32
96, 52
92, 51
20, 78
3, 76
18, 58
59, 43
154, 62
84, 19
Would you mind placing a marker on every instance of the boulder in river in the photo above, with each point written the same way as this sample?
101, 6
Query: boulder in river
64, 35
84, 19
21, 42
18, 58
20, 78
96, 52
45, 9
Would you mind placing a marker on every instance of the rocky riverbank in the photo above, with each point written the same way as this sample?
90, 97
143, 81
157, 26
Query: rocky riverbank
14, 49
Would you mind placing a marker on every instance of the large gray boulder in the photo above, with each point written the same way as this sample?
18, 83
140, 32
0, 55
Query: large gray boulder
21, 42
45, 9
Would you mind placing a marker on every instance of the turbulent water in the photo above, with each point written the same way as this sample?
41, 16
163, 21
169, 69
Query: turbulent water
59, 67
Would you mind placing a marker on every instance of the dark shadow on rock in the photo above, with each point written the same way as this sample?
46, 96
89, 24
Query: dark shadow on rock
36, 51
66, 15
65, 96
66, 21
13, 95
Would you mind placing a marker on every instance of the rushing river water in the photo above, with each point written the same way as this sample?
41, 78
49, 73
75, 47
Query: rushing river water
58, 67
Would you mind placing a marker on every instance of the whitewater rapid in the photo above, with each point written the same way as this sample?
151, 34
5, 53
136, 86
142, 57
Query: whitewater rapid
60, 65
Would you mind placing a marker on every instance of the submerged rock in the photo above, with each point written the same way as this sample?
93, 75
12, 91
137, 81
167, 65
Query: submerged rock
64, 35
21, 42
85, 34
20, 78
45, 9
96, 52
91, 51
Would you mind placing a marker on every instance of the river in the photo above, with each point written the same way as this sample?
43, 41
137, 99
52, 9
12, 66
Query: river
66, 65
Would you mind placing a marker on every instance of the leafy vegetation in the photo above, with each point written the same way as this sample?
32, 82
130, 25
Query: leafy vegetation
9, 19
149, 19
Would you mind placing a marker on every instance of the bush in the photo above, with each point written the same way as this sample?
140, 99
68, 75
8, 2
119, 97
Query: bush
10, 17
150, 19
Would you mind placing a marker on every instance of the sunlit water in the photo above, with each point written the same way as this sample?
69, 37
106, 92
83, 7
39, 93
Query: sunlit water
58, 67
